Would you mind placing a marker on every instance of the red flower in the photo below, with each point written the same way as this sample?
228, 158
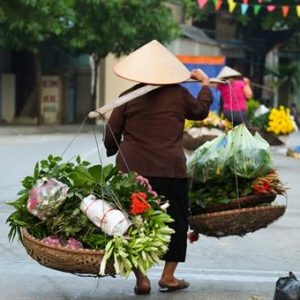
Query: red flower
139, 203
257, 188
193, 237
266, 186
261, 187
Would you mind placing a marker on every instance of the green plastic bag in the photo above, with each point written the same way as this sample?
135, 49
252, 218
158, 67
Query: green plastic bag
248, 155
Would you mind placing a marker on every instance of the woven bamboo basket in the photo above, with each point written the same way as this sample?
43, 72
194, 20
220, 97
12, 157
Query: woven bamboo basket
235, 222
192, 144
80, 261
242, 202
270, 137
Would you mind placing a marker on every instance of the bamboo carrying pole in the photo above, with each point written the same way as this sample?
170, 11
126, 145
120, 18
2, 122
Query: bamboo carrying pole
262, 87
134, 94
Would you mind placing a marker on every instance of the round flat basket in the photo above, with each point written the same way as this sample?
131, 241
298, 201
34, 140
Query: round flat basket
191, 143
236, 221
242, 202
270, 137
80, 261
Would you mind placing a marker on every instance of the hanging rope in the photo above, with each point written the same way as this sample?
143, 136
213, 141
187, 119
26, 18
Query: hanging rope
235, 176
231, 91
100, 160
117, 144
193, 171
74, 138
233, 97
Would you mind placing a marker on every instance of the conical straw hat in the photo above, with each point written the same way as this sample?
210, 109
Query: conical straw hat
152, 64
228, 72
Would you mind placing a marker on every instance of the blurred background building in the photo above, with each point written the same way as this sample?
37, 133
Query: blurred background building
66, 79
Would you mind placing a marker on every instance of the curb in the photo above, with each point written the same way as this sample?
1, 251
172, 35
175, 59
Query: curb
44, 129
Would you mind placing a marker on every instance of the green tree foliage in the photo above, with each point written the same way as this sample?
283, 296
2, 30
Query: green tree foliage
25, 24
96, 27
120, 26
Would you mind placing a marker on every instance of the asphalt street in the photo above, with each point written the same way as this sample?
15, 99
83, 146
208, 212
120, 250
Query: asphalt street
228, 268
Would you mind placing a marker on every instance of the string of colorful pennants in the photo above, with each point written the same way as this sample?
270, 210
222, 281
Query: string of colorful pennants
232, 4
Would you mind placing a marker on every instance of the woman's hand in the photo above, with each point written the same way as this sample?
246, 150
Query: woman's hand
246, 80
201, 76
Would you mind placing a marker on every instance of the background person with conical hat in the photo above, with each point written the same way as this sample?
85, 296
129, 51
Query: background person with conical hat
234, 95
148, 133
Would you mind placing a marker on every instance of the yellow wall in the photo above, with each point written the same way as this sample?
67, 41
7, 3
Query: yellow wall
113, 85
7, 97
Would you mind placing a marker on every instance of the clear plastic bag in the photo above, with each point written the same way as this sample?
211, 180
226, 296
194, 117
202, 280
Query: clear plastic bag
208, 162
46, 197
236, 152
248, 156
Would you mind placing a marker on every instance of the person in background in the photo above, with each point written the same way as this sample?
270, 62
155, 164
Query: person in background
234, 95
294, 113
147, 133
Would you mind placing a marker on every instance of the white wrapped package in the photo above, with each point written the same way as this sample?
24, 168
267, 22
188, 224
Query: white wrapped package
111, 221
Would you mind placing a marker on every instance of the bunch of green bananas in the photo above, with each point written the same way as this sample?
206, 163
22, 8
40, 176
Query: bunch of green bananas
146, 241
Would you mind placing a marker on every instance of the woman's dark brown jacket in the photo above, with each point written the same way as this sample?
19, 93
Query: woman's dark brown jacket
149, 130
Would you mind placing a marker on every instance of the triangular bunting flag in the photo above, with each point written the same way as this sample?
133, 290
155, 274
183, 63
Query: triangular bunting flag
285, 10
218, 4
298, 10
245, 1
271, 8
256, 9
214, 2
260, 1
231, 5
202, 3
244, 8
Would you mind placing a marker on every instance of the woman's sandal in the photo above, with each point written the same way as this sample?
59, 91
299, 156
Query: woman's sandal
182, 284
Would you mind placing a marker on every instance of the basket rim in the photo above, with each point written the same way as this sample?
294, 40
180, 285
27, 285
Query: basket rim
237, 211
257, 196
240, 201
32, 239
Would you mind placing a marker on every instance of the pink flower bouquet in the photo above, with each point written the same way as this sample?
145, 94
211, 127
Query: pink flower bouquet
45, 197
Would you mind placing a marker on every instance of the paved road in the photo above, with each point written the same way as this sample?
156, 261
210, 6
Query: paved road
229, 268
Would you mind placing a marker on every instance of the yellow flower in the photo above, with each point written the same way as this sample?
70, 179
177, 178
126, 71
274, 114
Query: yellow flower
188, 124
280, 121
212, 120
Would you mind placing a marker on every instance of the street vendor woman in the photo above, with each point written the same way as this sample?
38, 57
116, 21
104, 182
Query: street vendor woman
147, 134
234, 93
